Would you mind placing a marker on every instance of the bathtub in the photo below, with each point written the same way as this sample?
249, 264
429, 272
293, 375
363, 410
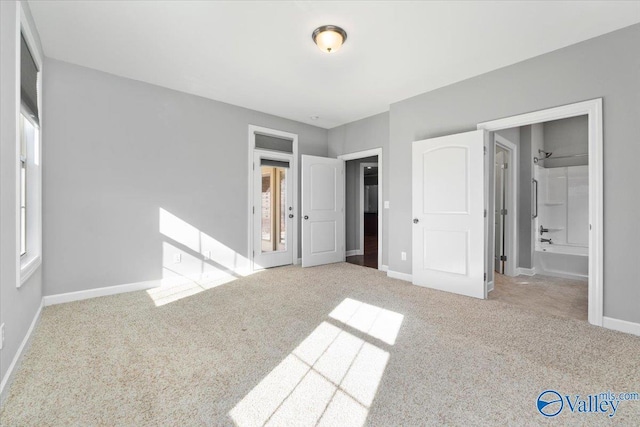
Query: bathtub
566, 261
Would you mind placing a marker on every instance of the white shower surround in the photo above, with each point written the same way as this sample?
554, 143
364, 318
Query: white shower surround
563, 209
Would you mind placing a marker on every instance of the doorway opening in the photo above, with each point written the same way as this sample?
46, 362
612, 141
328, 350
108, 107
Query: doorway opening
361, 212
363, 208
546, 211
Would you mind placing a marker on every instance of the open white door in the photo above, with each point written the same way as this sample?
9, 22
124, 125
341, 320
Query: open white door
322, 211
448, 213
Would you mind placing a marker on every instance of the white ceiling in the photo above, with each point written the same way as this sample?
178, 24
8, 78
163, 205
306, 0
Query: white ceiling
260, 55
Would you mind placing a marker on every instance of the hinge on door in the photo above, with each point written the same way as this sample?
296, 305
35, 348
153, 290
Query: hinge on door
503, 257
254, 165
503, 212
505, 165
485, 277
485, 213
485, 149
254, 209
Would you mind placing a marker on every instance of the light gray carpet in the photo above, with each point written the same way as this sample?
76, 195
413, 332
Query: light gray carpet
265, 349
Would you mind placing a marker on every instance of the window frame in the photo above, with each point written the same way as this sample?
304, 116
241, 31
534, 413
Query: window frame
29, 261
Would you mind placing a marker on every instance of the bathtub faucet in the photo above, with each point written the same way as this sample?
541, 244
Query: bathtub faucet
546, 241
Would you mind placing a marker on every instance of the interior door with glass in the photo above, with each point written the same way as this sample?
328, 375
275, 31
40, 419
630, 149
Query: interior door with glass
273, 209
449, 213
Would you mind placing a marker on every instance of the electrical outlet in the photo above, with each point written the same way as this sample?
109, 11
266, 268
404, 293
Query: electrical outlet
1, 336
207, 254
403, 256
386, 204
177, 258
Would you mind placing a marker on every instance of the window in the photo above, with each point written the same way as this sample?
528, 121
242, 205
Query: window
23, 188
28, 173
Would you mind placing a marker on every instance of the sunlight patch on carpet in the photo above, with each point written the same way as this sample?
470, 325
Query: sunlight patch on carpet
174, 290
331, 378
375, 321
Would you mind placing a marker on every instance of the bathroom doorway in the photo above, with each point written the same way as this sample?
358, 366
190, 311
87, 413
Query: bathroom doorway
558, 192
551, 233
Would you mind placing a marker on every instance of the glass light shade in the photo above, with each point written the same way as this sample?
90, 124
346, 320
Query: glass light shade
329, 41
329, 38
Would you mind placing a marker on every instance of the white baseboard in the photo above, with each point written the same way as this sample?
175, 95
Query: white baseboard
402, 276
354, 252
8, 376
100, 292
525, 271
562, 275
384, 268
490, 286
621, 325
298, 261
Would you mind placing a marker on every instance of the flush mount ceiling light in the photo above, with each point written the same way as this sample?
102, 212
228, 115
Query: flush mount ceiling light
329, 38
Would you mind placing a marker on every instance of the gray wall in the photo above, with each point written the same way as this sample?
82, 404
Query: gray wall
365, 134
353, 220
564, 138
118, 151
607, 67
18, 306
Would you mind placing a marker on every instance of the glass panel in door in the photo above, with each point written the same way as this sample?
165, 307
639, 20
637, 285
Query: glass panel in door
273, 209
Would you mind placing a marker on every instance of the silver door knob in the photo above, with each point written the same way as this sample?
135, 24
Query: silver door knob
416, 220
306, 217
290, 215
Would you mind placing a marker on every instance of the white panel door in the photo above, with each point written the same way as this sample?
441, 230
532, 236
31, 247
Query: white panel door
448, 213
322, 211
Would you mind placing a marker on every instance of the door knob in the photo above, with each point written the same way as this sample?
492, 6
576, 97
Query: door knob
306, 217
416, 220
290, 215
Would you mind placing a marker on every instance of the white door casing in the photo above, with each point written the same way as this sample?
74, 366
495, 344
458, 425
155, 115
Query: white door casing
253, 131
322, 213
499, 207
449, 213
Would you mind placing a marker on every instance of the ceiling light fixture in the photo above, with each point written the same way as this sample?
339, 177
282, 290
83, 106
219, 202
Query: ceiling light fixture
329, 38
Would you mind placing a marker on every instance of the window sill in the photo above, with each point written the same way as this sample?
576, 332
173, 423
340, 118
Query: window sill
28, 266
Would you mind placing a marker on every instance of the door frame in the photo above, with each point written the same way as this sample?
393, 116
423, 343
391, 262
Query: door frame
593, 109
361, 155
512, 203
361, 181
252, 129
